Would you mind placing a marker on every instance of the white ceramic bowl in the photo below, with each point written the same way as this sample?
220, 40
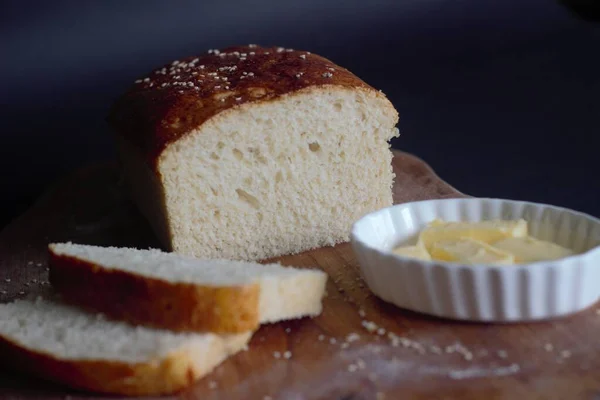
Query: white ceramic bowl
521, 292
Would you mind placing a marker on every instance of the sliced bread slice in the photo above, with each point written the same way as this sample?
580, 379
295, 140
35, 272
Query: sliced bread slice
61, 343
181, 293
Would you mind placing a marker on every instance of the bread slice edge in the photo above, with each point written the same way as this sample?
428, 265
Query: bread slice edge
169, 374
153, 302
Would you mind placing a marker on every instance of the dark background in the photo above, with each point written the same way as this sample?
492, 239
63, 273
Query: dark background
501, 97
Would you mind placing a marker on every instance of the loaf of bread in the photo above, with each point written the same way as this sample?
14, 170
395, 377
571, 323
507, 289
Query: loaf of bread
181, 293
60, 343
250, 153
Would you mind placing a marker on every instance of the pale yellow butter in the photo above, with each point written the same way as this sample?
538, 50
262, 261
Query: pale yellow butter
469, 251
529, 249
492, 242
417, 251
484, 231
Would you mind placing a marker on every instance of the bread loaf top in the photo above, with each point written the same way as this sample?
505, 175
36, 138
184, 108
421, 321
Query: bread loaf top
176, 98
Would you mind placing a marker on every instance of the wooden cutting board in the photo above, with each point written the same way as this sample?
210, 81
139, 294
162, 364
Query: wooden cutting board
408, 356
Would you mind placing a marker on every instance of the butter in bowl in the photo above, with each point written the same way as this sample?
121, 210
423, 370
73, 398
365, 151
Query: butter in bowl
494, 242
488, 260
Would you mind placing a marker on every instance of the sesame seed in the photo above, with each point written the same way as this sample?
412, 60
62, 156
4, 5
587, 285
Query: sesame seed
352, 368
303, 56
352, 337
223, 100
201, 67
146, 79
345, 345
331, 69
370, 326
238, 98
327, 75
252, 53
242, 58
138, 81
250, 73
565, 353
252, 46
468, 356
502, 353
361, 312
381, 331
217, 87
321, 337
277, 354
7, 280
287, 355
299, 74
267, 52
332, 340
21, 292
548, 347
280, 49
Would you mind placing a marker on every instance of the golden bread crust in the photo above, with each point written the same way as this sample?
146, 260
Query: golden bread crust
152, 302
177, 98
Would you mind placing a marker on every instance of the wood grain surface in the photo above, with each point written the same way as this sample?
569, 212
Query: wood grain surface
390, 354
